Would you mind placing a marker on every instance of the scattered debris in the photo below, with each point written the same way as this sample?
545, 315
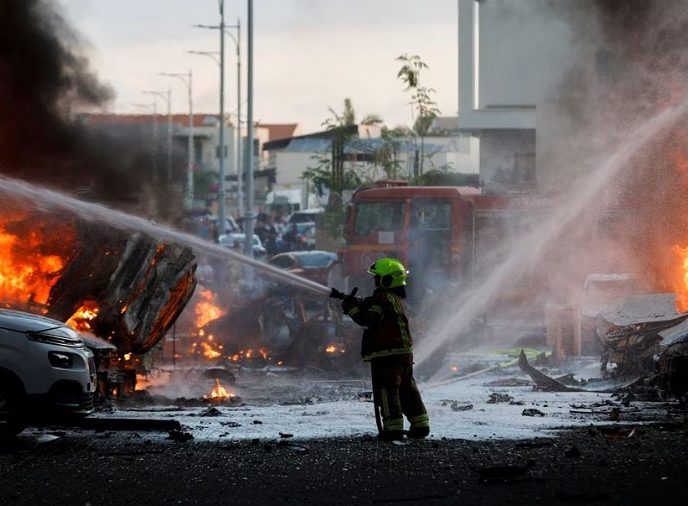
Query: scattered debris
543, 381
508, 382
497, 397
230, 424
457, 405
179, 435
211, 411
532, 412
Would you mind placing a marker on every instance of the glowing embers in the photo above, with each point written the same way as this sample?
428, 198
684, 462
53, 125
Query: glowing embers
84, 317
261, 353
335, 348
681, 280
33, 253
218, 393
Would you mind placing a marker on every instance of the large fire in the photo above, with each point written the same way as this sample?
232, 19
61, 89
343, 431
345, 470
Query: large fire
29, 264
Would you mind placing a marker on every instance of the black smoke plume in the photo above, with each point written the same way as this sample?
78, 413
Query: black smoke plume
44, 80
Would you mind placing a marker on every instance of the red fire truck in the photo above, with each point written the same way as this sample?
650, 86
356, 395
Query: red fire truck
442, 234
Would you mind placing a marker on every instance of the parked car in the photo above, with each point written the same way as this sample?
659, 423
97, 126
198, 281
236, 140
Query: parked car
236, 241
297, 236
44, 369
315, 265
304, 215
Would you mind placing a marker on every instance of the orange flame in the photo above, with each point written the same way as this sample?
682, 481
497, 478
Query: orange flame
28, 270
218, 393
681, 282
334, 349
207, 309
209, 351
83, 318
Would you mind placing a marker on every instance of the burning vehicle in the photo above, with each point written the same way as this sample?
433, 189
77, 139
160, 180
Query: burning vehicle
127, 289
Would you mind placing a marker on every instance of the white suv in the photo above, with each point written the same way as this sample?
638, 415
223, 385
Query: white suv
44, 369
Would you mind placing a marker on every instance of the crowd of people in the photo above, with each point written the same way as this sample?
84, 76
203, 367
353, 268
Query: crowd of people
273, 229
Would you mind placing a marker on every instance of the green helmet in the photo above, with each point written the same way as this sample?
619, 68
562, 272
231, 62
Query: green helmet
391, 271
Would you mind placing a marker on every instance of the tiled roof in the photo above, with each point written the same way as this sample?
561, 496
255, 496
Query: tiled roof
278, 130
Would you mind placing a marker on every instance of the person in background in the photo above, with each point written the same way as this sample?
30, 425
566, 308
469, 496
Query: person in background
388, 346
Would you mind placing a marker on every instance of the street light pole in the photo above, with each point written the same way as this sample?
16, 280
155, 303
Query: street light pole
220, 61
166, 95
221, 199
250, 216
187, 79
239, 147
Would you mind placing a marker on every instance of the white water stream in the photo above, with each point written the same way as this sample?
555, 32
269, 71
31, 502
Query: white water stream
46, 199
527, 252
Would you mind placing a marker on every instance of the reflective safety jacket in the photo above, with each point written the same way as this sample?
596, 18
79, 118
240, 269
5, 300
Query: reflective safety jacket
386, 326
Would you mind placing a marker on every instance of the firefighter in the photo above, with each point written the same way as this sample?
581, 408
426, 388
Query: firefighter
387, 345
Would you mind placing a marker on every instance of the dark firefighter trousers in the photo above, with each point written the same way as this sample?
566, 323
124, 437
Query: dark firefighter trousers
397, 394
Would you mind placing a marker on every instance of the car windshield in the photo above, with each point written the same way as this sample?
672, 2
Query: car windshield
379, 216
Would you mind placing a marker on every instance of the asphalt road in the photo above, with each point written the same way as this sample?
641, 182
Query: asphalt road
595, 465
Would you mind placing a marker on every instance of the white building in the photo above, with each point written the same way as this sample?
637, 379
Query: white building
511, 55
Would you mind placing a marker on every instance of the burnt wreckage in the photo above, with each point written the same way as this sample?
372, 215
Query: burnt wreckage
122, 290
643, 342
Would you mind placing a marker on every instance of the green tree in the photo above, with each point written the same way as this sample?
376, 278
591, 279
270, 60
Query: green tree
422, 103
205, 181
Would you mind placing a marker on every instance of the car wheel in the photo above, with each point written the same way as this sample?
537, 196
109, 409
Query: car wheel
12, 420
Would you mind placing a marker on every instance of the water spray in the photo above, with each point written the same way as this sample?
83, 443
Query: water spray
47, 199
528, 251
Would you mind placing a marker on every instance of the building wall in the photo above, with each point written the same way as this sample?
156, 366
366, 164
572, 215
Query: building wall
507, 160
511, 58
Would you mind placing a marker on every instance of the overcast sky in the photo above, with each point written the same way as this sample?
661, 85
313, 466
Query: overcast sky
308, 55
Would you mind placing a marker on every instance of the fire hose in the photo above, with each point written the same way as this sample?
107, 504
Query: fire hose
336, 294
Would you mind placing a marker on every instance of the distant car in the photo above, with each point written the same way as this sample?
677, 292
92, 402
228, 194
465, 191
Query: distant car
304, 215
236, 241
314, 265
297, 236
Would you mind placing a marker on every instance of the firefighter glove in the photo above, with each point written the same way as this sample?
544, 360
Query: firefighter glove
348, 304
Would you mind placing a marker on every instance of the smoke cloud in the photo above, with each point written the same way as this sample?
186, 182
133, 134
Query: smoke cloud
45, 79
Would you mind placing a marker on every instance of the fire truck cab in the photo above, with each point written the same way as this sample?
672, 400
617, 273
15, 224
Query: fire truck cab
425, 227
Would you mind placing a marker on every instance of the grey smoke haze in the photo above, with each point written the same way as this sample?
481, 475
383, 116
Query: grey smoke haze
611, 149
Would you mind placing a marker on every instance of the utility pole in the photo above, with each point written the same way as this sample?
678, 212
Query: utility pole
239, 146
219, 59
250, 216
221, 197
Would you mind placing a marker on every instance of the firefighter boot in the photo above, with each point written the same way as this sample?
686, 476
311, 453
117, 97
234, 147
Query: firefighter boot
393, 429
420, 426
